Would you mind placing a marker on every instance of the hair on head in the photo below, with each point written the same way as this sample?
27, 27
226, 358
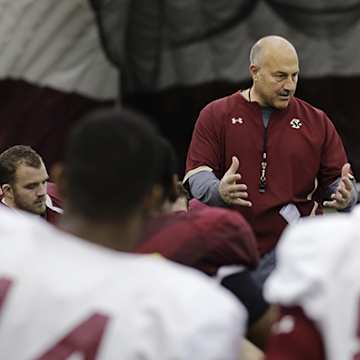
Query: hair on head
14, 156
111, 163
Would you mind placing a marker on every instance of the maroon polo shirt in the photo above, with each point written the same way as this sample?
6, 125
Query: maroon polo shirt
302, 146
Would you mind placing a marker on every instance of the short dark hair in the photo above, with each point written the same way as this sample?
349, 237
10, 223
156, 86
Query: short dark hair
11, 158
111, 163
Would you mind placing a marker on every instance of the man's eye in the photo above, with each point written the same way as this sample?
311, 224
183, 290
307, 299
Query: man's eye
280, 77
30, 187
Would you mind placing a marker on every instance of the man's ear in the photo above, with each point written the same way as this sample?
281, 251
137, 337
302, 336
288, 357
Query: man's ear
254, 69
154, 199
57, 174
7, 191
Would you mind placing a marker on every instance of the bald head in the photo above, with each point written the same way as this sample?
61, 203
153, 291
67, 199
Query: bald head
274, 68
271, 46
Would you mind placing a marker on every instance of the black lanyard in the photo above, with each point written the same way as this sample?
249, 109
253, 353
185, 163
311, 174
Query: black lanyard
263, 163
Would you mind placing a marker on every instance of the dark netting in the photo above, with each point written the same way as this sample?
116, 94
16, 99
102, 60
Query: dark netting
137, 33
318, 17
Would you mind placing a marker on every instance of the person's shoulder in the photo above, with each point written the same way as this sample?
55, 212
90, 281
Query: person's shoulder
224, 104
14, 222
302, 105
309, 252
54, 194
23, 236
224, 225
184, 283
162, 292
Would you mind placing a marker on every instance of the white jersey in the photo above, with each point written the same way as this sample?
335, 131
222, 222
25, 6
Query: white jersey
319, 269
64, 298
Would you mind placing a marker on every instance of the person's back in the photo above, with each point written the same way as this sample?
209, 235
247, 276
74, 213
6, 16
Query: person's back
317, 285
61, 296
205, 239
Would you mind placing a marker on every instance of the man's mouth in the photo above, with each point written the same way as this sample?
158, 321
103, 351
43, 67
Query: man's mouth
284, 96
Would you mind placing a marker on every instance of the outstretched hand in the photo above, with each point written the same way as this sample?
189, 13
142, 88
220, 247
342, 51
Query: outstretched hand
342, 196
230, 190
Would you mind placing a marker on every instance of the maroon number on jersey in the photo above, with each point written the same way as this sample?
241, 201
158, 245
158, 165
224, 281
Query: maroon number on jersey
5, 285
85, 338
357, 355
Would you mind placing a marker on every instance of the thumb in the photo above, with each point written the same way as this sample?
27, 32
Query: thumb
234, 166
345, 171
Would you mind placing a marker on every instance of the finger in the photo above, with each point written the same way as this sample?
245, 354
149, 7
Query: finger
236, 187
347, 183
337, 202
241, 202
346, 170
338, 197
330, 204
231, 178
239, 195
234, 166
345, 193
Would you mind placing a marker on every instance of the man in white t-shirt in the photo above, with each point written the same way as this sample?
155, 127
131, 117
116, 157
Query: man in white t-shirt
316, 282
65, 298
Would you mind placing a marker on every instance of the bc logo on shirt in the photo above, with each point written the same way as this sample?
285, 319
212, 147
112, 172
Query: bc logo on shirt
296, 123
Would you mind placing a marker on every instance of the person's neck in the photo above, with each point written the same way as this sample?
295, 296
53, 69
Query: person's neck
251, 95
120, 236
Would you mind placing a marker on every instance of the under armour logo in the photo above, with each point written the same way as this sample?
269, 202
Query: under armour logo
296, 123
238, 120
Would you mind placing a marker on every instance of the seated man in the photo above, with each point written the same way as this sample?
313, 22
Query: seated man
316, 283
24, 183
80, 292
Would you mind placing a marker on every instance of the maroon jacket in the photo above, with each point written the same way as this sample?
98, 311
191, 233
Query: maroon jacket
205, 239
303, 149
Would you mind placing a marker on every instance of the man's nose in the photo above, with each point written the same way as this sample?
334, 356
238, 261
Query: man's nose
290, 84
42, 190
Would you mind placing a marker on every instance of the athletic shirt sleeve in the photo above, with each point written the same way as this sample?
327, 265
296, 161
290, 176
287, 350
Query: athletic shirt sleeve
306, 254
317, 267
295, 337
206, 148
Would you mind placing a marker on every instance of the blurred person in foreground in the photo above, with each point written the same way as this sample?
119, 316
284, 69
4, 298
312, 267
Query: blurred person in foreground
316, 283
81, 290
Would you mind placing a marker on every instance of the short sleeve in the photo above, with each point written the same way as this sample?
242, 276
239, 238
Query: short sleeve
206, 144
306, 255
295, 337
